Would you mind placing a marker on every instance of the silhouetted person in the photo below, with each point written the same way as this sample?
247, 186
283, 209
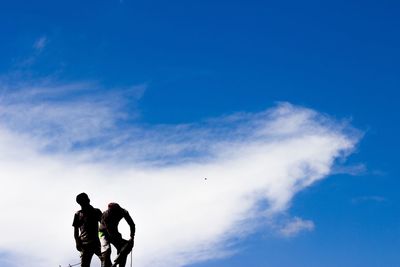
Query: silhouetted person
109, 234
86, 227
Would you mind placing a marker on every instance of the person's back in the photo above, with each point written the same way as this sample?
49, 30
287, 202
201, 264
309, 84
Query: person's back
86, 226
110, 220
87, 219
109, 234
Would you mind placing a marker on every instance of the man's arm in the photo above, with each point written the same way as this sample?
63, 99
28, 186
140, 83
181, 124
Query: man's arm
77, 239
131, 224
76, 224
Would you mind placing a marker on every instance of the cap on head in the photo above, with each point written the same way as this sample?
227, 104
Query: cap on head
114, 206
82, 199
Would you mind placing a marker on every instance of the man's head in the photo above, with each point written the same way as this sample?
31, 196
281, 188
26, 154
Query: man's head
82, 199
114, 207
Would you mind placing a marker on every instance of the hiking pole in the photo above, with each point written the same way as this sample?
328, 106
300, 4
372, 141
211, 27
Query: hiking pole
71, 265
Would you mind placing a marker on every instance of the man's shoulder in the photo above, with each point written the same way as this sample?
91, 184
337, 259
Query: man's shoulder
125, 213
105, 213
88, 212
78, 213
97, 210
77, 218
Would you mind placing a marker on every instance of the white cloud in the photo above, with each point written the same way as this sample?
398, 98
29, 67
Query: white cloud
40, 43
357, 169
372, 199
52, 150
295, 226
22, 64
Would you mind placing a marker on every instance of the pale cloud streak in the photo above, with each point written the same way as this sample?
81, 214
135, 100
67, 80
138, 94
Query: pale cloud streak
371, 199
295, 226
55, 147
37, 48
40, 43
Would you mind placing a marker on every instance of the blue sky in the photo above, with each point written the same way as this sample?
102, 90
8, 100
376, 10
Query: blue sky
167, 63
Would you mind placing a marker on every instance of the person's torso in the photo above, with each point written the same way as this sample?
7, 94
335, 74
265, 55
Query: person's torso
109, 222
89, 224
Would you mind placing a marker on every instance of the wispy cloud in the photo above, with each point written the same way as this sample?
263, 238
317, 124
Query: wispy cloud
295, 226
27, 61
66, 116
363, 199
55, 144
356, 169
40, 43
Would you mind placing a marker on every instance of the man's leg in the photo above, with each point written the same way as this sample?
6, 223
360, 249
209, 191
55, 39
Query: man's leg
106, 258
105, 252
97, 251
119, 244
86, 255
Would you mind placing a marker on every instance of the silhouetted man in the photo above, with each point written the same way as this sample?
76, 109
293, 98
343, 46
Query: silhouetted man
86, 227
109, 234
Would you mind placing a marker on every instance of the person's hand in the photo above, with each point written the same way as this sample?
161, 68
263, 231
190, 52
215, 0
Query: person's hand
79, 246
132, 240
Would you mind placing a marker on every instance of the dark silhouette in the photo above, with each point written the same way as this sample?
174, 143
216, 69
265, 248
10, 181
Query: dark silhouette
109, 234
86, 226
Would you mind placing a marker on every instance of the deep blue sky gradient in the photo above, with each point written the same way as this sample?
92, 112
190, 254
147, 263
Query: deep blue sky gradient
202, 59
